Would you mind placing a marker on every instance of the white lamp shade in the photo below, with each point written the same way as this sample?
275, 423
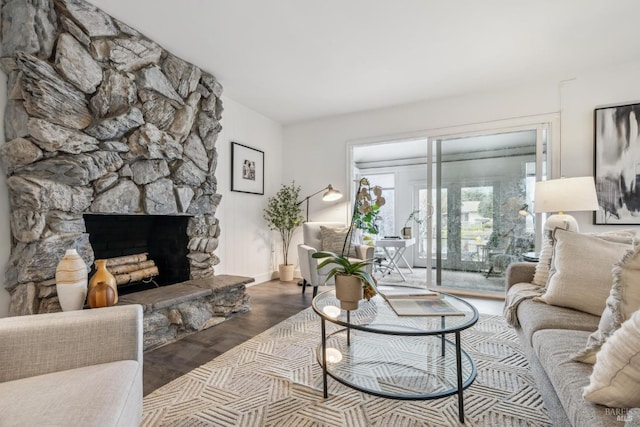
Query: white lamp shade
566, 194
331, 194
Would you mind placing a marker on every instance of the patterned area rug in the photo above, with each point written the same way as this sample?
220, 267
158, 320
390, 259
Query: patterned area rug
274, 380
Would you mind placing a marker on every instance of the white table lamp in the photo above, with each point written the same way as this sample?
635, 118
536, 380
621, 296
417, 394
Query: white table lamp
565, 194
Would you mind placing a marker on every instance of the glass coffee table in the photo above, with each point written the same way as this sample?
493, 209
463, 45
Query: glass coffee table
375, 351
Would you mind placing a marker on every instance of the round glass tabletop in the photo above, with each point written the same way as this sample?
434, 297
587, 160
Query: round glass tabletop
377, 315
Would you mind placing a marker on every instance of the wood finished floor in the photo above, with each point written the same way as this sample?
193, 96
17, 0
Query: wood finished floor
271, 303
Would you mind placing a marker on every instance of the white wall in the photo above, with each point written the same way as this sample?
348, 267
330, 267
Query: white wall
245, 242
315, 152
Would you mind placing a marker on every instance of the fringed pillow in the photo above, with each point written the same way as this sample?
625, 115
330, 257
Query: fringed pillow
545, 259
615, 380
623, 301
581, 276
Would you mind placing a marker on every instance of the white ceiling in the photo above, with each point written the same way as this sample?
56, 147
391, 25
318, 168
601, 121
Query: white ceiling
294, 60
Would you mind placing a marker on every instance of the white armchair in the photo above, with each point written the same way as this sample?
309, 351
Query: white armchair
312, 243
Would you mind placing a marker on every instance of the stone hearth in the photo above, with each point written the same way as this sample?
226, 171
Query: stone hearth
102, 120
173, 312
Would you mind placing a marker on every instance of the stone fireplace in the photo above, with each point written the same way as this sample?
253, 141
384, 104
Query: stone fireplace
102, 124
162, 237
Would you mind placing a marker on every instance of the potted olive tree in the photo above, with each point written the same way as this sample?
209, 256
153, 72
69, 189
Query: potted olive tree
283, 214
353, 282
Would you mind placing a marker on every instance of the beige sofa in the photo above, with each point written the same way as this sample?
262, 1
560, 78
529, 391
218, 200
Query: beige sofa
77, 368
549, 336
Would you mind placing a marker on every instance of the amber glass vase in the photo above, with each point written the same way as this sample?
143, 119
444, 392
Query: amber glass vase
103, 275
101, 295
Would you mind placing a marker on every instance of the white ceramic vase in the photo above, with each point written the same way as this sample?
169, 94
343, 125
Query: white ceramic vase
71, 281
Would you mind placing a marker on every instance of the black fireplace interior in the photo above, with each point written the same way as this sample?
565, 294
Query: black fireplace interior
164, 238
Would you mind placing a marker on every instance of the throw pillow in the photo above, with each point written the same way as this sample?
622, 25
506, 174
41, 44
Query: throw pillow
333, 240
543, 267
541, 276
615, 380
581, 276
624, 300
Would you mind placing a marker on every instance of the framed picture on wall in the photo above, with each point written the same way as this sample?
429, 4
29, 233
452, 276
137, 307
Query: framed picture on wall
247, 169
617, 164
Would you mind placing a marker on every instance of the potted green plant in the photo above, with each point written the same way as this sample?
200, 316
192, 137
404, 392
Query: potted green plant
283, 214
353, 282
415, 216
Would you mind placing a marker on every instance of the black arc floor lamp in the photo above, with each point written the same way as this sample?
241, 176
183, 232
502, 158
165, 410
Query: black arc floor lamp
330, 195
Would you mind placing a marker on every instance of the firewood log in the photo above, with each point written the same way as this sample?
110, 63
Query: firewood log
128, 259
135, 276
128, 268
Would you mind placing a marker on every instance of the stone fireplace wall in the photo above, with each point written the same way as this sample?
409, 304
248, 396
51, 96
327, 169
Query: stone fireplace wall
99, 119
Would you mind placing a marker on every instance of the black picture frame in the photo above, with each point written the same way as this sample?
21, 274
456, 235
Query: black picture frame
247, 169
617, 164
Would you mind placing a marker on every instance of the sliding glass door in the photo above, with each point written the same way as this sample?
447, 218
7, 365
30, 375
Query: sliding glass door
473, 191
481, 191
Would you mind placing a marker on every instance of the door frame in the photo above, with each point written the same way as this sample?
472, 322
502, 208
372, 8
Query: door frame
550, 121
551, 128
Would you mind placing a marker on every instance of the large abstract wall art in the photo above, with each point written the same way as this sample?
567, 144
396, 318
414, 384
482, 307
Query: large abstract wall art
617, 164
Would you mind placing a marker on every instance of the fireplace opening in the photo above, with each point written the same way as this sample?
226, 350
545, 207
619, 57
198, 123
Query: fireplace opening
164, 238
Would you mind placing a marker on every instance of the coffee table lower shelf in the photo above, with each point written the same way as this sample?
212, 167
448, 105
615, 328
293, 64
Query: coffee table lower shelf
403, 367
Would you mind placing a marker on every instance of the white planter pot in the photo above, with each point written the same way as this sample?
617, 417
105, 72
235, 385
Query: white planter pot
286, 272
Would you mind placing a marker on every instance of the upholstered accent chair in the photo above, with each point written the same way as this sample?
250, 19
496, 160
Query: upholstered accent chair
313, 242
75, 368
